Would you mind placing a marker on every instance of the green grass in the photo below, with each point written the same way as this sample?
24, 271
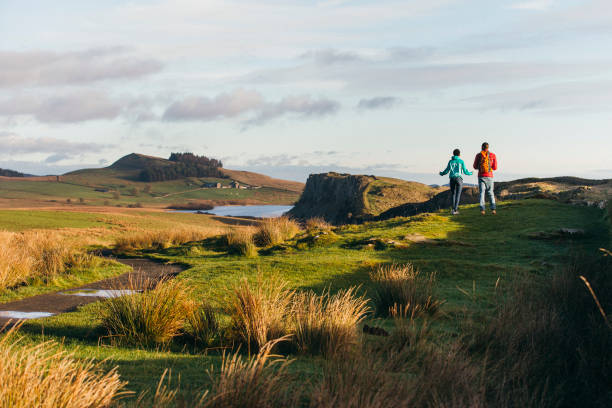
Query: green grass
20, 220
469, 253
72, 278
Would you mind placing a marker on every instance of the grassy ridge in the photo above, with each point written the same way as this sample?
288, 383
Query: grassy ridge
472, 255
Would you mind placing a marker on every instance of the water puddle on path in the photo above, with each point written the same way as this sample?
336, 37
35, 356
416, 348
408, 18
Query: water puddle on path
105, 293
14, 314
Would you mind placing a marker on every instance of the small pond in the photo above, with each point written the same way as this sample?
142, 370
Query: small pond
260, 211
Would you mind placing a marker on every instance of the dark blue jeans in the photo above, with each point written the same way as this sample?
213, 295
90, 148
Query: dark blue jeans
456, 185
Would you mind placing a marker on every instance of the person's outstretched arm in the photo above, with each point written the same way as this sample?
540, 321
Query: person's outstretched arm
446, 170
465, 170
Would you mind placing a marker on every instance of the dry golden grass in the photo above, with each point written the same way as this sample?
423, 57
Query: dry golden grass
161, 239
152, 318
241, 241
37, 255
404, 286
317, 224
327, 324
44, 376
259, 311
261, 381
202, 323
274, 231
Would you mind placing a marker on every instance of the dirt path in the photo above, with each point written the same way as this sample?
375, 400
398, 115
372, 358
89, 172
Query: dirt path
67, 300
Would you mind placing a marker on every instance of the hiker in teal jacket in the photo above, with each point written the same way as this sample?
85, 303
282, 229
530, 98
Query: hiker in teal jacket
455, 167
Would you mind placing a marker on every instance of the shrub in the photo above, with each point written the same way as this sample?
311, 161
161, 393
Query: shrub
274, 231
240, 241
44, 376
403, 285
327, 324
147, 319
259, 311
202, 323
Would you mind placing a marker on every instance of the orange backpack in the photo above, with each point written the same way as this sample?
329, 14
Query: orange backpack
485, 163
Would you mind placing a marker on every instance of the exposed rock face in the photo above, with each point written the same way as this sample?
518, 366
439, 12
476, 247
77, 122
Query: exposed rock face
337, 198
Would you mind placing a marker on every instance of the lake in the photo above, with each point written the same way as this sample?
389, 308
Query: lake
260, 211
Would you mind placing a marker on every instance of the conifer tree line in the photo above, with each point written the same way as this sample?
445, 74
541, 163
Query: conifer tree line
183, 165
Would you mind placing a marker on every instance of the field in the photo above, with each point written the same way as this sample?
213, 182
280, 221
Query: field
475, 259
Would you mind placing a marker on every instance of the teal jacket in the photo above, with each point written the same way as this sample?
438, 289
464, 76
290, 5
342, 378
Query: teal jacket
455, 167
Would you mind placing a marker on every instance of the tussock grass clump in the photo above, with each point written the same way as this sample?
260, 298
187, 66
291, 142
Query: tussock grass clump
318, 224
274, 231
241, 241
38, 255
45, 376
403, 286
162, 239
147, 319
259, 311
261, 381
327, 324
202, 323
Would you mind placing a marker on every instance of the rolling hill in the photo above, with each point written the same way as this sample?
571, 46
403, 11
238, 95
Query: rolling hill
119, 185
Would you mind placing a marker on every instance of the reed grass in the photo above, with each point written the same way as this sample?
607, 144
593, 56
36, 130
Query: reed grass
152, 318
261, 381
403, 286
327, 324
241, 241
274, 231
162, 239
30, 255
202, 324
44, 376
259, 311
317, 224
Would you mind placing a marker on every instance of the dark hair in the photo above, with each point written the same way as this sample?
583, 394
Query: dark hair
485, 146
456, 152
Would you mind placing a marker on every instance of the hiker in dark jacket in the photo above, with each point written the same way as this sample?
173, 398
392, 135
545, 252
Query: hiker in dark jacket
485, 162
455, 167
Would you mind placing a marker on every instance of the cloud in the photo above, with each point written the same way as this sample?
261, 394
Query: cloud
577, 96
40, 68
57, 157
77, 106
301, 105
331, 56
222, 106
252, 103
13, 144
379, 102
534, 5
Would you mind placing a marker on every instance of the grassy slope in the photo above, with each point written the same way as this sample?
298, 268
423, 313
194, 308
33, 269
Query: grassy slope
105, 218
122, 177
385, 193
498, 249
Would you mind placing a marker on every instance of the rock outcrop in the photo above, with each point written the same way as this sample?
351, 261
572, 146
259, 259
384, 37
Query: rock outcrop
337, 198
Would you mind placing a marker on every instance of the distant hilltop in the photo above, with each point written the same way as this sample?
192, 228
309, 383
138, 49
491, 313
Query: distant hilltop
341, 198
12, 173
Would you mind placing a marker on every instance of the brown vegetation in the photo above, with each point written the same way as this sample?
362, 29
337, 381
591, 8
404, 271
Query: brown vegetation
44, 376
404, 286
38, 255
274, 231
241, 241
161, 239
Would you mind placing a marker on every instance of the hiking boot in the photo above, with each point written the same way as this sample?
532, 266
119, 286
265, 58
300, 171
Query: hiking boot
482, 212
493, 212
457, 212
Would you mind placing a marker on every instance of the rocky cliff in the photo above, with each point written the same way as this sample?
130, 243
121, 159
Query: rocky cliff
338, 198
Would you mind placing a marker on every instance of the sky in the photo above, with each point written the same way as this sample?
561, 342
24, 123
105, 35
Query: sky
294, 87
